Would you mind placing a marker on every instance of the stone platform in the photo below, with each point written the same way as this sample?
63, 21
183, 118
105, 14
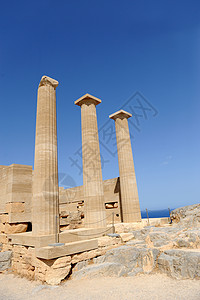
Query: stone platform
68, 236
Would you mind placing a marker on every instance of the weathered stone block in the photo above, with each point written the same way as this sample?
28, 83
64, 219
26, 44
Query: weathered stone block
17, 207
61, 262
54, 276
126, 237
15, 228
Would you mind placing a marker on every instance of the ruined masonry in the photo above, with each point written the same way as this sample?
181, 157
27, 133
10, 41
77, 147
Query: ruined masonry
43, 227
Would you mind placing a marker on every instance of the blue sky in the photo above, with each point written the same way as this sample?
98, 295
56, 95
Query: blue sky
110, 49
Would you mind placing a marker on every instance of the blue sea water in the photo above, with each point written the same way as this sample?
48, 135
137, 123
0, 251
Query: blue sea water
155, 213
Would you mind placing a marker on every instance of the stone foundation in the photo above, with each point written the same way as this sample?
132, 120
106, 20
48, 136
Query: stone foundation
52, 271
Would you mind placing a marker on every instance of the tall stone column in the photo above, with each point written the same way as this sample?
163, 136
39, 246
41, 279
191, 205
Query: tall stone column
94, 207
45, 177
130, 206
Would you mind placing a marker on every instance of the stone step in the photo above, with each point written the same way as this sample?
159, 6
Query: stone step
68, 236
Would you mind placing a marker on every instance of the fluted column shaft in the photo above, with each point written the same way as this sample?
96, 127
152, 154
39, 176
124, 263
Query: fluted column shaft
45, 179
128, 186
94, 207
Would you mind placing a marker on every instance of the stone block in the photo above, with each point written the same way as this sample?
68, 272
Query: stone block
17, 207
106, 241
54, 276
126, 237
85, 256
61, 262
51, 252
15, 228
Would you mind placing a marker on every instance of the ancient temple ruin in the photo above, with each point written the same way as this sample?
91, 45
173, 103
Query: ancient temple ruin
50, 221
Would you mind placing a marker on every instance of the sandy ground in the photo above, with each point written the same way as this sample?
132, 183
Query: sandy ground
157, 286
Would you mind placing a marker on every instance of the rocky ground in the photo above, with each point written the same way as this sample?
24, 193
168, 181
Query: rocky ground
173, 249
157, 262
140, 287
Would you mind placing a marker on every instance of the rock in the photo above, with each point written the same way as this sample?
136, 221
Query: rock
188, 214
135, 272
127, 227
15, 228
125, 255
141, 234
99, 270
54, 276
182, 243
107, 241
85, 256
5, 256
61, 262
131, 257
180, 264
80, 265
157, 239
120, 261
5, 260
126, 237
135, 242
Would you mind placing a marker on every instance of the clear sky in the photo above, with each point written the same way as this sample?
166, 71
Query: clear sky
110, 49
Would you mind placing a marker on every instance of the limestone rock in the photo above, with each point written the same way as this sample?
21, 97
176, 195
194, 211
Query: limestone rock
99, 270
128, 257
126, 237
61, 262
188, 214
85, 256
5, 260
180, 264
106, 241
54, 276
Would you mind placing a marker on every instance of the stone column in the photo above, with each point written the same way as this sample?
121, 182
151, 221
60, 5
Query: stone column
130, 206
45, 177
94, 207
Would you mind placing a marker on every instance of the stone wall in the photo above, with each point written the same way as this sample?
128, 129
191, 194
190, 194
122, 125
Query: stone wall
72, 204
9, 228
16, 192
26, 264
16, 197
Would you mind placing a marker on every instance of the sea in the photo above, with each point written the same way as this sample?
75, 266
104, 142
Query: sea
155, 213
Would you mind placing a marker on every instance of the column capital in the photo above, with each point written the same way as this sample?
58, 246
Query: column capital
45, 80
87, 99
121, 114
